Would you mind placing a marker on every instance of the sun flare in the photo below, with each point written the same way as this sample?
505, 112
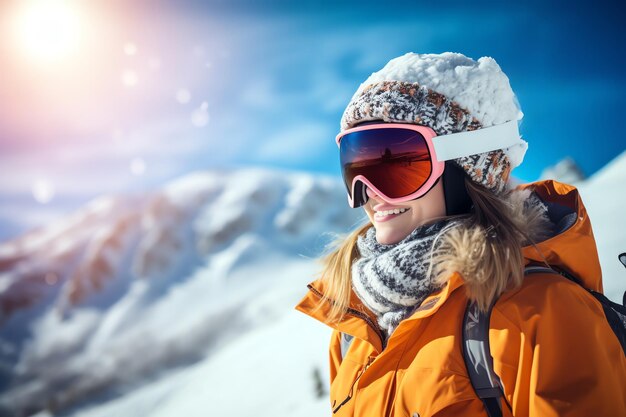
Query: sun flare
48, 30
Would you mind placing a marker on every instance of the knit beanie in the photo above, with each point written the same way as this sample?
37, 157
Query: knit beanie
449, 93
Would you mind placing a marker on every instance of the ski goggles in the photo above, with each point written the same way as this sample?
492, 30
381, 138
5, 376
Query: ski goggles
402, 161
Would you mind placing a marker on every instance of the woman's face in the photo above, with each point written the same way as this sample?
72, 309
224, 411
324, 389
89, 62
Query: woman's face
392, 228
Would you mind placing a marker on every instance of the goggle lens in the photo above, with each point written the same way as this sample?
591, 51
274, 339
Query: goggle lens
396, 161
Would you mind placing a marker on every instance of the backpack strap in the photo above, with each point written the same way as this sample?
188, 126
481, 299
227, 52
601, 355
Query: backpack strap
478, 360
477, 354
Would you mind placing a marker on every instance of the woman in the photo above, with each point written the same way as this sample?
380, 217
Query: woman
427, 145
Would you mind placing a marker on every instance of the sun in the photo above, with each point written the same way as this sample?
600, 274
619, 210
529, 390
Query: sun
48, 30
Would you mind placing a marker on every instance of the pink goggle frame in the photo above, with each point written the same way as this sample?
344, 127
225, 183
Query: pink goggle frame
441, 148
437, 166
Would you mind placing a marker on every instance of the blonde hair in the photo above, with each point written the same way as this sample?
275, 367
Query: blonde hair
486, 250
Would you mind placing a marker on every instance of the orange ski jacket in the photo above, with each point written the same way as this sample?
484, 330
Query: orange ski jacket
552, 347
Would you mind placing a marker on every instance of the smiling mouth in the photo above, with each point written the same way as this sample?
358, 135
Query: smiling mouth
387, 214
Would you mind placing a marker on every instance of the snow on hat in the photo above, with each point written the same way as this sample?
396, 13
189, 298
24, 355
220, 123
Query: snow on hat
449, 93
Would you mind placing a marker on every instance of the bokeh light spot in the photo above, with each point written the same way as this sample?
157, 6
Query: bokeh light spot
43, 191
200, 116
51, 278
130, 49
129, 78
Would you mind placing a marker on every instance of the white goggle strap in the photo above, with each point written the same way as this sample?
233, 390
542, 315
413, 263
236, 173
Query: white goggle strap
456, 145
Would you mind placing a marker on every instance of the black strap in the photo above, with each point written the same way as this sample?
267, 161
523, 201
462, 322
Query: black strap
492, 406
478, 360
477, 354
457, 198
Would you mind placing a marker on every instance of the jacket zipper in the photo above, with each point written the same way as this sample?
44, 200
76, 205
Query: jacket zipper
358, 314
351, 392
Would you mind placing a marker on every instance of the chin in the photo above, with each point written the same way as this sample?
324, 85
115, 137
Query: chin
389, 237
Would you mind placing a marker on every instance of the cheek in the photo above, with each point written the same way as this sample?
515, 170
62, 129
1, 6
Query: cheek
369, 212
417, 215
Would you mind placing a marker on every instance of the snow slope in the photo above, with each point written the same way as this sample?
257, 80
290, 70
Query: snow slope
267, 371
181, 302
604, 195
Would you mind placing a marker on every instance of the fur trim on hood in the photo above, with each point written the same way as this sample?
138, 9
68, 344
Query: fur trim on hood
469, 249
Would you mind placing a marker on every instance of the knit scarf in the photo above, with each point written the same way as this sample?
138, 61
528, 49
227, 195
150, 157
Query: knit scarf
391, 280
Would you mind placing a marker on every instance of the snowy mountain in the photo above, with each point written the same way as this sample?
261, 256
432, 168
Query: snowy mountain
181, 302
566, 170
129, 287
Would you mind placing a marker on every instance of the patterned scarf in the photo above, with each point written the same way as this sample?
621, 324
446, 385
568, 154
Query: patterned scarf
391, 280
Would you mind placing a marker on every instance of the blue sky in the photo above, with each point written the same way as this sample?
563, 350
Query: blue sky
158, 89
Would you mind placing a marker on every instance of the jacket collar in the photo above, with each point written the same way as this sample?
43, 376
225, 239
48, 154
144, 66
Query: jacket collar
572, 246
358, 315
